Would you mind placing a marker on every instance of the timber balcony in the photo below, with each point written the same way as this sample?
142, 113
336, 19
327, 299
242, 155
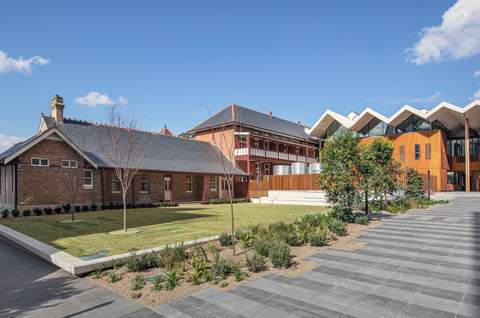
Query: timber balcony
272, 154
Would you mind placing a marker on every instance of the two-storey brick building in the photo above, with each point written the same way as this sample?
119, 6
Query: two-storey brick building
69, 155
257, 141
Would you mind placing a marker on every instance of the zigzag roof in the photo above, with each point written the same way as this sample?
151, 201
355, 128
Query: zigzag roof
450, 115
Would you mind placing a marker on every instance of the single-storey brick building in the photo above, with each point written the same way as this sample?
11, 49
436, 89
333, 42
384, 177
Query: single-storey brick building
68, 155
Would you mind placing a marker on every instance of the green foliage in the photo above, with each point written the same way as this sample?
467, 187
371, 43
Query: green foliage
256, 263
137, 263
280, 255
225, 239
158, 283
37, 211
58, 210
14, 213
340, 173
170, 257
171, 279
195, 278
238, 273
223, 284
98, 273
339, 213
414, 185
114, 277
26, 212
361, 219
138, 282
262, 247
337, 226
245, 238
220, 267
135, 295
48, 210
4, 214
320, 237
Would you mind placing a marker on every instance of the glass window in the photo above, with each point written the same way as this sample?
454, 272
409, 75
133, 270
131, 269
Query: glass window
417, 152
213, 183
242, 142
428, 151
374, 127
116, 185
40, 162
144, 184
224, 184
189, 183
69, 163
88, 179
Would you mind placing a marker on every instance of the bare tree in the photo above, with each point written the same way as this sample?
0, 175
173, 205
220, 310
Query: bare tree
126, 150
72, 183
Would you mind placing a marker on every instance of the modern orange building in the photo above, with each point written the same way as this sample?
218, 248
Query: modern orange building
442, 143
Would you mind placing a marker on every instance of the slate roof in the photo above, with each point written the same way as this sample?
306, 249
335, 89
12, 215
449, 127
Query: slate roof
163, 153
249, 117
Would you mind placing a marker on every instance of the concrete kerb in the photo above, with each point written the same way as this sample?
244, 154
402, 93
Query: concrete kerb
73, 264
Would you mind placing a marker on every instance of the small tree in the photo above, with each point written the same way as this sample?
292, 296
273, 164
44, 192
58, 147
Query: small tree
414, 185
126, 150
72, 182
340, 175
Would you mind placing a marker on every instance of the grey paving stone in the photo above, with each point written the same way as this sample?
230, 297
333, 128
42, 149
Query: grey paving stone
200, 308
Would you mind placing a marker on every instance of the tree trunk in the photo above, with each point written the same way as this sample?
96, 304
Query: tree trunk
366, 201
233, 226
124, 198
73, 212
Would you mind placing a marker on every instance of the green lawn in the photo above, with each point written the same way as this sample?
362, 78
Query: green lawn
158, 226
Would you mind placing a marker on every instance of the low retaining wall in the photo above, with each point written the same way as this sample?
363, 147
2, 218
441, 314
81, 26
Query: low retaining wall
73, 264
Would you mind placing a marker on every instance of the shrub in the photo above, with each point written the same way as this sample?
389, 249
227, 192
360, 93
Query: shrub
137, 263
262, 247
414, 187
78, 208
157, 284
319, 238
169, 257
138, 282
114, 277
67, 207
135, 295
171, 279
37, 211
223, 284
225, 239
292, 239
14, 213
4, 213
26, 212
194, 278
280, 255
338, 227
94, 207
342, 214
58, 210
361, 219
221, 268
85, 208
256, 263
238, 273
245, 238
48, 211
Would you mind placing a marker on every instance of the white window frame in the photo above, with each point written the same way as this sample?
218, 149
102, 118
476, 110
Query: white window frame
119, 184
212, 182
39, 162
71, 164
90, 184
189, 183
144, 179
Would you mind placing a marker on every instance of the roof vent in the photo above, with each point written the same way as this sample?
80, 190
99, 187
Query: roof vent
352, 115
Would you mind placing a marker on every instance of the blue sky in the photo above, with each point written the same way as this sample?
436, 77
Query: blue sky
171, 61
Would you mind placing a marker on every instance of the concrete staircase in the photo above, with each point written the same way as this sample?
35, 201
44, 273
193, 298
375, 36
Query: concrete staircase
293, 197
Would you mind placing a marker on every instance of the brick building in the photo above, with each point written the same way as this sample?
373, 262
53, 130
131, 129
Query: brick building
68, 155
257, 141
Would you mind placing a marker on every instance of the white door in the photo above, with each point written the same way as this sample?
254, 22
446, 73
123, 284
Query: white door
167, 183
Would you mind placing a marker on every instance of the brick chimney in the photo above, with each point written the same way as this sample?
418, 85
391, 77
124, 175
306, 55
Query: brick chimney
270, 114
57, 106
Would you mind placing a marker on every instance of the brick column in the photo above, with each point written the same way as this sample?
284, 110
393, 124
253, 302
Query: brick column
467, 156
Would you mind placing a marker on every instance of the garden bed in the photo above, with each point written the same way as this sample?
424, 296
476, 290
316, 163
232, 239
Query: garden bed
139, 284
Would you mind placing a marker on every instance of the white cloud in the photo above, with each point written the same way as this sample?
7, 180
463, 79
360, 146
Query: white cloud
20, 65
476, 95
476, 73
93, 99
8, 141
456, 38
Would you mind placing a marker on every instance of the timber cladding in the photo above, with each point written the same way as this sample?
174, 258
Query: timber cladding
259, 188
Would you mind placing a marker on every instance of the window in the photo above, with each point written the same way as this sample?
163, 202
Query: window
213, 183
40, 162
417, 152
88, 179
242, 142
225, 184
69, 163
402, 153
144, 184
116, 185
428, 151
189, 183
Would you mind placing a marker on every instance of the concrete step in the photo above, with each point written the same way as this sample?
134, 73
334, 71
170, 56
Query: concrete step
296, 194
267, 200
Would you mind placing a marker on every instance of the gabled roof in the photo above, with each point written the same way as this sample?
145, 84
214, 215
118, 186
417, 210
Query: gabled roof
451, 116
251, 118
163, 153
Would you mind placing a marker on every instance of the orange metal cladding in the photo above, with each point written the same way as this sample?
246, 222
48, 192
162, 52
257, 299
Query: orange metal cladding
438, 162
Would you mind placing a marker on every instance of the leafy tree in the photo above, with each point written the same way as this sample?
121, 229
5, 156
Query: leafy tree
414, 185
340, 175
